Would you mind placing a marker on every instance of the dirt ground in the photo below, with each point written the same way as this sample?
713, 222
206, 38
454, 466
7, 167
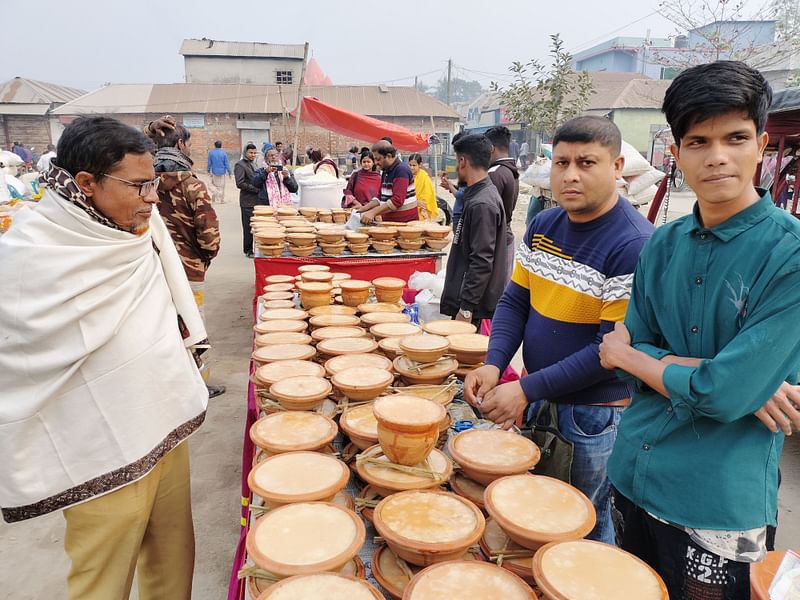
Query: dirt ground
32, 562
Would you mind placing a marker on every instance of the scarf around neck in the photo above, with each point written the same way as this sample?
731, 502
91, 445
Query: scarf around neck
176, 156
63, 184
276, 191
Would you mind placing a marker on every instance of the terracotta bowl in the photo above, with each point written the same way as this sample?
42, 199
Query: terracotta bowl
325, 216
293, 431
307, 268
278, 304
333, 249
309, 213
408, 427
300, 229
332, 586
348, 361
331, 310
307, 537
315, 294
301, 239
384, 330
282, 337
447, 327
391, 347
284, 287
471, 490
569, 569
388, 289
334, 321
373, 318
383, 247
484, 580
469, 348
495, 545
393, 573
276, 250
338, 278
435, 244
298, 477
360, 425
331, 235
338, 346
273, 372
268, 354
355, 291
292, 314
358, 248
488, 454
370, 307
410, 245
427, 527
279, 325
437, 232
368, 493
383, 233
279, 279
535, 510
277, 295
410, 233
317, 276
424, 348
302, 250
329, 333
257, 586
433, 375
270, 235
362, 383
301, 392
386, 480
355, 237
286, 211
442, 393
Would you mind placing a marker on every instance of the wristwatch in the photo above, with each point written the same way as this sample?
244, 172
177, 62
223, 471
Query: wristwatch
465, 314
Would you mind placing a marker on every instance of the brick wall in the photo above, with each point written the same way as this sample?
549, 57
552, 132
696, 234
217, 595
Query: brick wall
29, 130
223, 127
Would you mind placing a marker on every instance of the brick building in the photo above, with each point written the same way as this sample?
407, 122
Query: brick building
25, 105
238, 114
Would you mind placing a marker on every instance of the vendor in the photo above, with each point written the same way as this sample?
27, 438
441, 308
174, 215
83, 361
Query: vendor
323, 163
398, 198
363, 185
426, 196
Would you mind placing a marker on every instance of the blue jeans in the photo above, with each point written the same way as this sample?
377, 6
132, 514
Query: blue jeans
592, 430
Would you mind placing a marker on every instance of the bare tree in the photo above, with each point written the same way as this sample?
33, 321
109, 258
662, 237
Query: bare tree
542, 96
726, 33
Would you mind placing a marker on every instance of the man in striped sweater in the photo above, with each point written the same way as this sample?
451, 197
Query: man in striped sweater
398, 201
571, 283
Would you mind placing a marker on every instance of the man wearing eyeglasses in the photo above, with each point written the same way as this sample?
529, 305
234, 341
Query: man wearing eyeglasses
98, 369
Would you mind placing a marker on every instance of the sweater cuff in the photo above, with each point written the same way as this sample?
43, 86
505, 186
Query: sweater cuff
498, 359
530, 387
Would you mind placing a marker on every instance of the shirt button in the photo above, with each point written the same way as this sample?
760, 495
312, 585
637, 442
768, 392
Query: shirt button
698, 280
669, 409
646, 447
703, 236
694, 329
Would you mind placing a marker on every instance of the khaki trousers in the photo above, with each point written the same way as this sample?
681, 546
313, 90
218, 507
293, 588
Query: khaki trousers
144, 527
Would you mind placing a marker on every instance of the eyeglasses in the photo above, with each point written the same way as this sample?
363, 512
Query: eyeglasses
144, 188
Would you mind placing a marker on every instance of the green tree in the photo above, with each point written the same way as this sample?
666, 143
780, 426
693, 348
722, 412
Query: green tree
545, 97
461, 90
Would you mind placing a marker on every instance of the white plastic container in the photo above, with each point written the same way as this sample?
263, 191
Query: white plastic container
321, 195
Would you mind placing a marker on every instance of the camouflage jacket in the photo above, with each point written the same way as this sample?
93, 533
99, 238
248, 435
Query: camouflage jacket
185, 205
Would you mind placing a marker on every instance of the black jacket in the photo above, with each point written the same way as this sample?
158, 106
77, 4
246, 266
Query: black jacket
477, 267
505, 177
243, 172
260, 179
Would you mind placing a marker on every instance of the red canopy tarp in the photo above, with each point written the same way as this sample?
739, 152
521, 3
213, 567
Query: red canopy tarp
359, 126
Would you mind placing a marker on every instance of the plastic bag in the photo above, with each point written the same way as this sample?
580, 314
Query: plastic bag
354, 222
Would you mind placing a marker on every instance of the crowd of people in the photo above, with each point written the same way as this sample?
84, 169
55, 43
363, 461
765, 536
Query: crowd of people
667, 358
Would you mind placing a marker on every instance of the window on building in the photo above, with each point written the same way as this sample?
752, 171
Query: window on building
283, 77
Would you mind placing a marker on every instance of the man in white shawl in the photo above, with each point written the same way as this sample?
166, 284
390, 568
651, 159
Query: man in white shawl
99, 385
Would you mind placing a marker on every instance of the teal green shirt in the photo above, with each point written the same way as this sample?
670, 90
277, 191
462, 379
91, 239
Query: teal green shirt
730, 295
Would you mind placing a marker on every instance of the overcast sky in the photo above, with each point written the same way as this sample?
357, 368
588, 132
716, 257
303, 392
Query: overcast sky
86, 43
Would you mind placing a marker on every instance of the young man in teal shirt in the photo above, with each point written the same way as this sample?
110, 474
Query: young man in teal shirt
711, 340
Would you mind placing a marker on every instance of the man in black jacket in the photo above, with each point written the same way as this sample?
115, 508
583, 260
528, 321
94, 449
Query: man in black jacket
244, 172
478, 261
505, 177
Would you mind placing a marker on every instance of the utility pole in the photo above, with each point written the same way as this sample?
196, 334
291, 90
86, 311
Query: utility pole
415, 82
299, 105
449, 71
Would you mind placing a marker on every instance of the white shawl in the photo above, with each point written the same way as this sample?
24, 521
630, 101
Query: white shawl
96, 382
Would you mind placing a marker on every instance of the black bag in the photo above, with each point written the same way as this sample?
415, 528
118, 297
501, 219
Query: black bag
557, 451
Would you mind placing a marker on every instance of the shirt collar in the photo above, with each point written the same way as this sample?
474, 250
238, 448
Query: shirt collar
738, 223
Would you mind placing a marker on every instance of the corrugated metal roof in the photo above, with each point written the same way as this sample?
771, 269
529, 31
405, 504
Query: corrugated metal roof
111, 99
609, 87
208, 47
18, 108
254, 99
30, 91
642, 93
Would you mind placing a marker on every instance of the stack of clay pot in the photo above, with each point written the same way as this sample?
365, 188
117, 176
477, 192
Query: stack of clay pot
301, 243
467, 348
436, 236
340, 215
410, 238
332, 240
324, 215
357, 242
383, 239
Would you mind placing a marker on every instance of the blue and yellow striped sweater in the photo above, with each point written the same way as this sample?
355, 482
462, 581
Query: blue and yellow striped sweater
571, 282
